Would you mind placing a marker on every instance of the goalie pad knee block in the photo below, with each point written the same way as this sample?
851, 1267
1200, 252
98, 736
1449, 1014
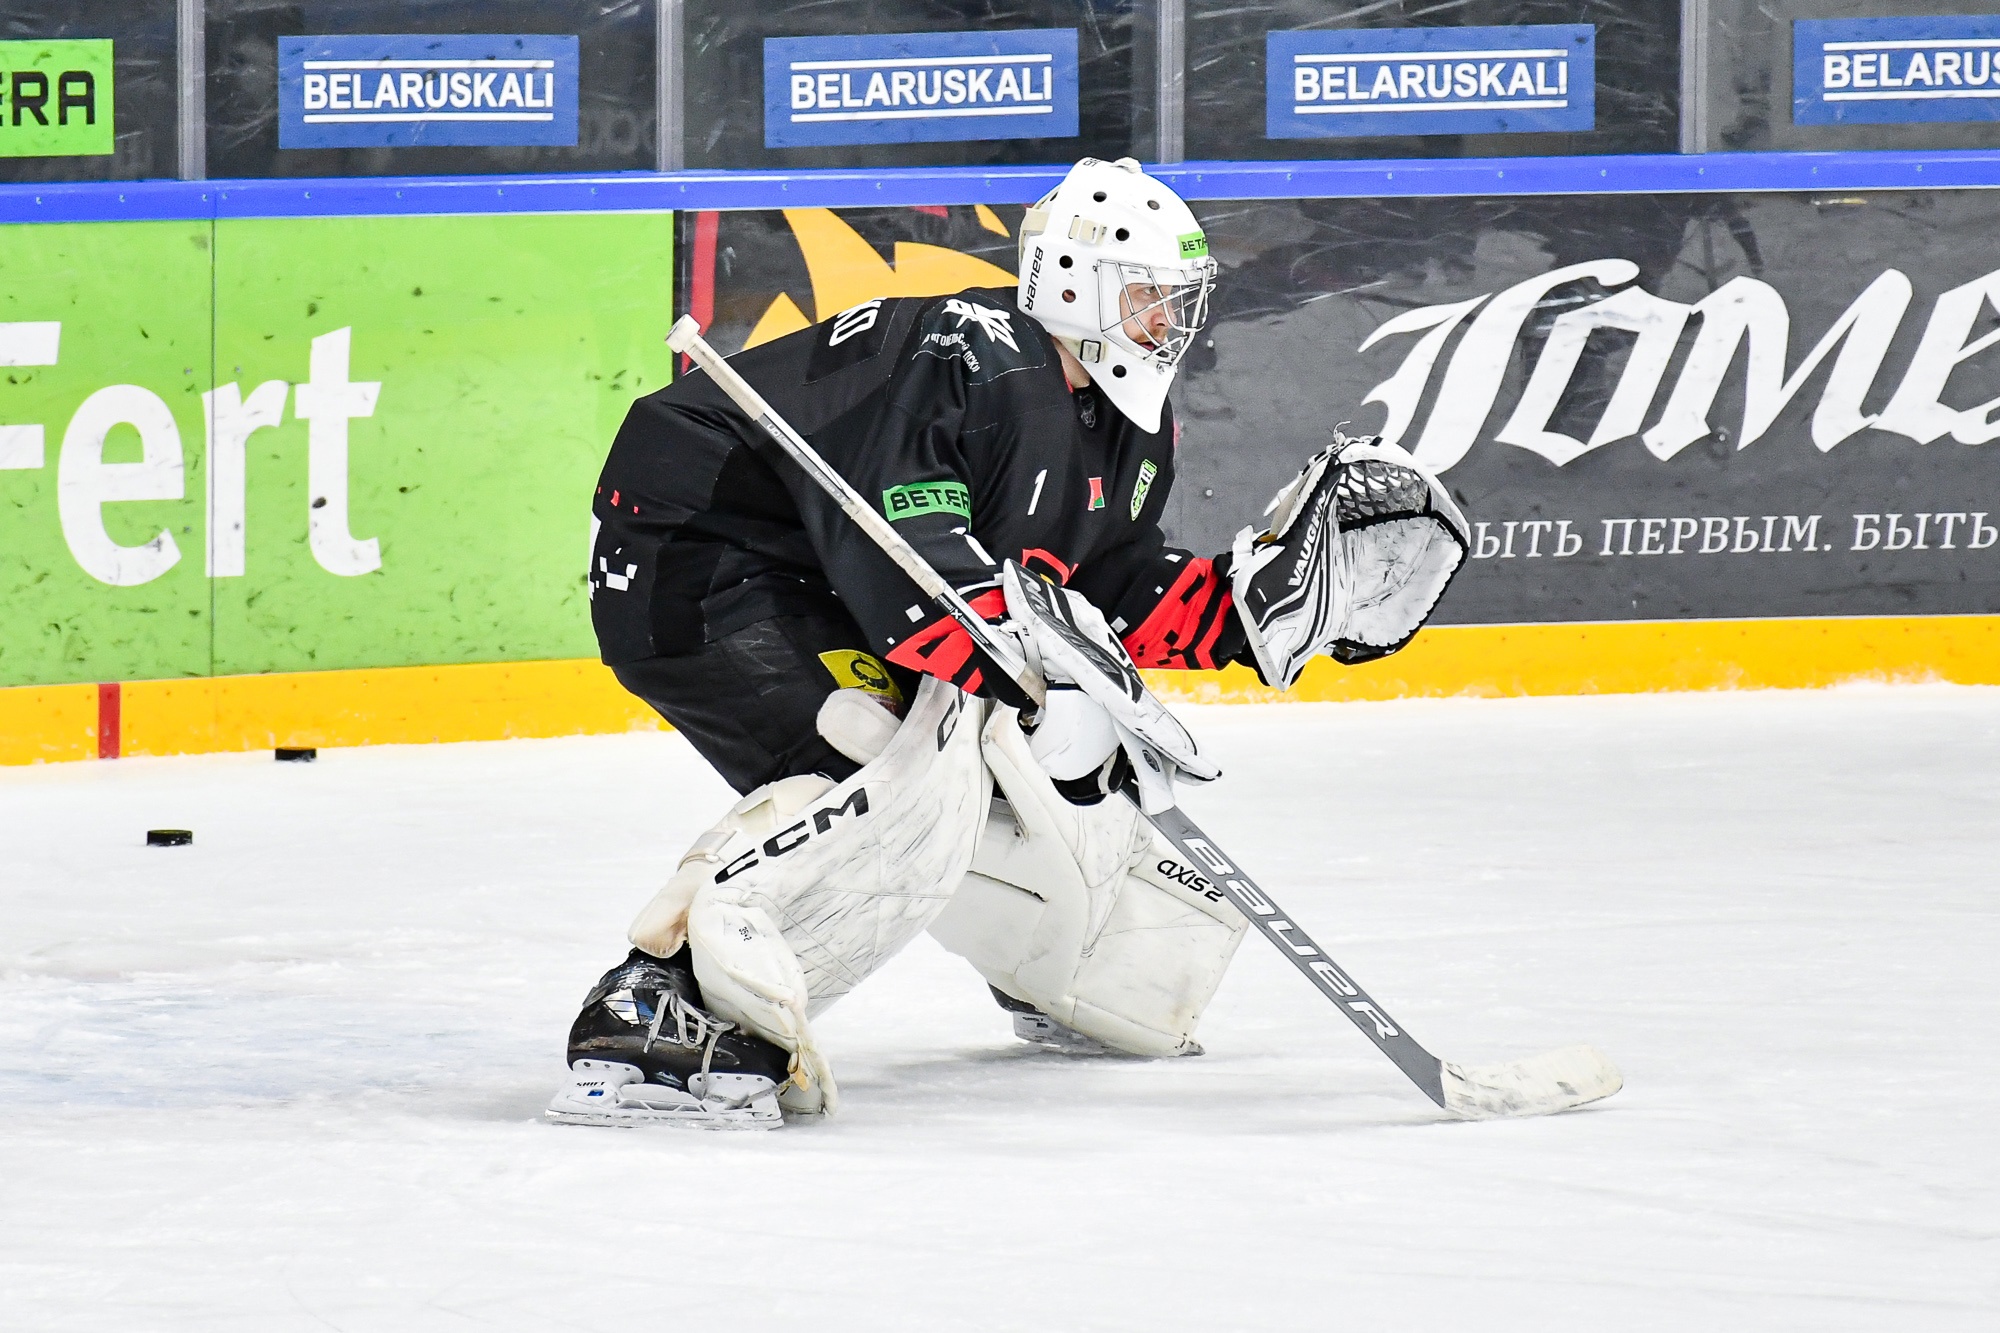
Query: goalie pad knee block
1082, 912
797, 905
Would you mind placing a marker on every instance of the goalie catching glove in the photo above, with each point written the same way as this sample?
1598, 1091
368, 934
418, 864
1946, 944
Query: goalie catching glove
1357, 551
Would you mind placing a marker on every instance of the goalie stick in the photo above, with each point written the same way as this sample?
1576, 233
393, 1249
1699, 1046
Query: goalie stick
1554, 1081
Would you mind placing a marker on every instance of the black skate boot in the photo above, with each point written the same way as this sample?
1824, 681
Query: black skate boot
644, 1051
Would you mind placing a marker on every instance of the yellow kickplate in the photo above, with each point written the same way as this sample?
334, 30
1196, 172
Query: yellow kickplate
494, 701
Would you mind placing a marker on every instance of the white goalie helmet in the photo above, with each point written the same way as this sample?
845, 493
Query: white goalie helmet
1115, 266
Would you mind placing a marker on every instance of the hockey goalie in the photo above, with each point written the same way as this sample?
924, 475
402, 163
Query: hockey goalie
892, 780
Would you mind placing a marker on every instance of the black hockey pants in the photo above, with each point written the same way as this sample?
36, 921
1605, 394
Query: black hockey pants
748, 701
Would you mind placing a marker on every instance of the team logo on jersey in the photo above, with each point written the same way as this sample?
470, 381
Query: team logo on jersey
1097, 492
995, 324
1143, 487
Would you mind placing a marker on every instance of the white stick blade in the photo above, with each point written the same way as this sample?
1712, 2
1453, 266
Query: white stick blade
1555, 1081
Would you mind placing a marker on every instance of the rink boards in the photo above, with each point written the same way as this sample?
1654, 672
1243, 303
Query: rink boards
309, 462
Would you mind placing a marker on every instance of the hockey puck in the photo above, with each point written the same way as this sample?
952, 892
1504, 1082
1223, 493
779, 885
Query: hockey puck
303, 756
169, 837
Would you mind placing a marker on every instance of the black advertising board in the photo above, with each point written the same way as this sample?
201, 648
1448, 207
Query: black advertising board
1652, 407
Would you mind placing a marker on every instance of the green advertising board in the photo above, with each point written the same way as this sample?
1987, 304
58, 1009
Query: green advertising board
56, 99
309, 444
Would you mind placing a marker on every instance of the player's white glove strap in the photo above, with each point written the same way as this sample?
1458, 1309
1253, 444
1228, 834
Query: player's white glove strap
1068, 641
1356, 553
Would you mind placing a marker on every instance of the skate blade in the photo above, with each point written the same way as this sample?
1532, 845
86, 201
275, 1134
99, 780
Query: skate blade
1041, 1030
1555, 1081
617, 1095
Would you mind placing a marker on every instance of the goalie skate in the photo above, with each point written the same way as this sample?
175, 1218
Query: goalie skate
600, 1092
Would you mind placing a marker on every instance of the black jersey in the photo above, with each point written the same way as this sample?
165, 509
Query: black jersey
952, 415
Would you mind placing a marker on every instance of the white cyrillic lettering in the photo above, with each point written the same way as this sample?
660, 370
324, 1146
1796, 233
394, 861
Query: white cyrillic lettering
1402, 391
1869, 526
1534, 528
1658, 323
327, 402
1567, 543
1746, 309
1950, 521
1610, 523
1684, 528
1485, 544
1894, 529
85, 483
1980, 527
1507, 552
1807, 532
1473, 378
1714, 536
1915, 409
229, 420
1744, 531
1649, 536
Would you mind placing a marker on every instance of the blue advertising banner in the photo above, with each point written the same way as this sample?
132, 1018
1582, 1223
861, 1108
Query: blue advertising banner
1354, 82
427, 91
1895, 71
920, 87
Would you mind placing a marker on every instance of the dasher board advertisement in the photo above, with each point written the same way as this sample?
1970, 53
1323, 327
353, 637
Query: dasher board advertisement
428, 91
1360, 82
56, 99
920, 87
1893, 71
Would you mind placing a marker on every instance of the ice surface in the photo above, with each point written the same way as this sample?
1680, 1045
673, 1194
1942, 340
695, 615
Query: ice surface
289, 1077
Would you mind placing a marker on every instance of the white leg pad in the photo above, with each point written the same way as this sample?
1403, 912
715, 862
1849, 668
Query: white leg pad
1086, 914
792, 914
661, 926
